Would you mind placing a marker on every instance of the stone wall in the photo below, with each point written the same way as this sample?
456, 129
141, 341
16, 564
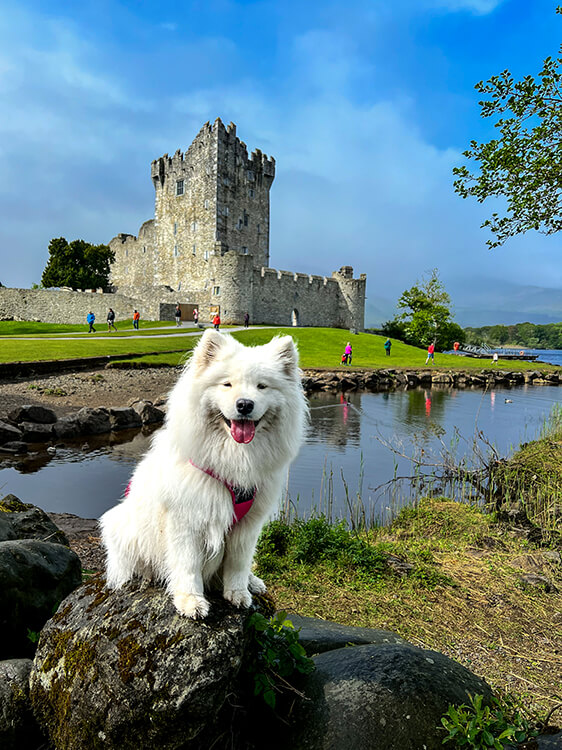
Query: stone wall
55, 306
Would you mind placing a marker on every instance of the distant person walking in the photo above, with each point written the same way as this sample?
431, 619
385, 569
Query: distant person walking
136, 318
430, 354
90, 320
387, 345
177, 315
196, 316
216, 321
495, 358
246, 320
111, 320
348, 353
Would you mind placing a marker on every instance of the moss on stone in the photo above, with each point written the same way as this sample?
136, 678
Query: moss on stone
130, 652
80, 659
12, 504
59, 642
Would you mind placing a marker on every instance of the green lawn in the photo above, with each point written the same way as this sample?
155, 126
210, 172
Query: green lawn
319, 347
124, 327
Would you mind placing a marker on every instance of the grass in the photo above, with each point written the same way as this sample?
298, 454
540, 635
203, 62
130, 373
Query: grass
27, 328
463, 596
320, 348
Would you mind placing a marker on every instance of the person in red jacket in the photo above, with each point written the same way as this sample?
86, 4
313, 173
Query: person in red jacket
216, 321
430, 353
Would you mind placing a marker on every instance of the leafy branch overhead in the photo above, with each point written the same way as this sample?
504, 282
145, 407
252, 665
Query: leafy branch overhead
524, 163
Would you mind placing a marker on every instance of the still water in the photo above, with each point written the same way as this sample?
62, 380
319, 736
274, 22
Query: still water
355, 446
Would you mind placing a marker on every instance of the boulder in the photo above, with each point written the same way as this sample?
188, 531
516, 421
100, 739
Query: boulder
67, 427
317, 636
93, 421
15, 446
148, 413
18, 728
9, 433
32, 413
389, 696
124, 670
34, 578
24, 521
36, 432
124, 418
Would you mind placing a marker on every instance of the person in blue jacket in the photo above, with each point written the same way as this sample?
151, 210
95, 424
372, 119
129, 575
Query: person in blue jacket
90, 318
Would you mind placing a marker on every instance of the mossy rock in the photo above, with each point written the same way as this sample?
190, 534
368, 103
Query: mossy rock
124, 670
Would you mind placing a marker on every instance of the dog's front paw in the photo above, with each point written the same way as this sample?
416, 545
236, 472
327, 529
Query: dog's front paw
238, 597
256, 585
191, 605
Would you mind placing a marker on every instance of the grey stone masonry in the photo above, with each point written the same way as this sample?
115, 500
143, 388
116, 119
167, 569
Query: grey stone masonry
208, 243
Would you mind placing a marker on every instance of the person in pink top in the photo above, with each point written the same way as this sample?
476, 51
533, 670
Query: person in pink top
348, 353
430, 353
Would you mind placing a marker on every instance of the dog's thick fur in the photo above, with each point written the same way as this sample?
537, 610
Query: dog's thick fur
175, 523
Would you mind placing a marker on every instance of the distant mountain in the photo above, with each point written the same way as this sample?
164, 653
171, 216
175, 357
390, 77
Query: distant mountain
481, 302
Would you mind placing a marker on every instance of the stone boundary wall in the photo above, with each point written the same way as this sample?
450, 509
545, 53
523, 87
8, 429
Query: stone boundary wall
57, 306
316, 300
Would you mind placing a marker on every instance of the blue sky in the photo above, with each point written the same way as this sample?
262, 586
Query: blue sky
366, 106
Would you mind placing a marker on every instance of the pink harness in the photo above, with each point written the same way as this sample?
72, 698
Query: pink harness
242, 499
241, 502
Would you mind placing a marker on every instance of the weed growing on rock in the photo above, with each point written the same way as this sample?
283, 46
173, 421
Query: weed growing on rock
277, 656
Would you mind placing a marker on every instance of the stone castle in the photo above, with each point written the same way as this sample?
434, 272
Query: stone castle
208, 244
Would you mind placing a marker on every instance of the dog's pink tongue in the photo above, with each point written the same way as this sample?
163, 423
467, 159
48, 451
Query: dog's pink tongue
242, 430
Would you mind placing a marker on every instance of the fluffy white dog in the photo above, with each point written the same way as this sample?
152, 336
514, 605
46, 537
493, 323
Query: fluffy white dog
198, 500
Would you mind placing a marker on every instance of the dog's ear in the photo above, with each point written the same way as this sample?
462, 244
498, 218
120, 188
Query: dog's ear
287, 354
207, 349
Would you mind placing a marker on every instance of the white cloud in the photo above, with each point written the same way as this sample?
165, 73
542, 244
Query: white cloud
478, 7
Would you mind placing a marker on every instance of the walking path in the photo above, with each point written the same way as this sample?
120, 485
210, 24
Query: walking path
189, 330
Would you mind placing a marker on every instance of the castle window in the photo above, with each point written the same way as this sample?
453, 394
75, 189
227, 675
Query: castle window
193, 226
245, 250
216, 290
206, 203
245, 219
225, 181
193, 249
251, 193
179, 187
176, 253
144, 249
250, 175
258, 228
175, 228
126, 253
240, 223
225, 210
206, 255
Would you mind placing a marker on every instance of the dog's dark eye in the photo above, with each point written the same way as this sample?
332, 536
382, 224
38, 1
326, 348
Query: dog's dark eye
227, 385
261, 386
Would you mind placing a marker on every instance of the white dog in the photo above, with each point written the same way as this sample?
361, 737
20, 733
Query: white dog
199, 498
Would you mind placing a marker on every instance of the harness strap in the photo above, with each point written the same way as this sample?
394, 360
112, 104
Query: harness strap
242, 498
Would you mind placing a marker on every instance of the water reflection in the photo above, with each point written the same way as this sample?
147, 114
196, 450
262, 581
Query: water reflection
335, 419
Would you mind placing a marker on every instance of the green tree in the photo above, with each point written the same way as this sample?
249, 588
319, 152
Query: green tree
77, 264
524, 164
426, 315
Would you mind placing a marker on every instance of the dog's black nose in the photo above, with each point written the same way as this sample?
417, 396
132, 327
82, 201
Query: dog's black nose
244, 406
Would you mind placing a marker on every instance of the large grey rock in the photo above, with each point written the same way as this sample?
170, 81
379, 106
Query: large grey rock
317, 636
32, 413
67, 427
24, 521
18, 728
380, 697
93, 421
124, 418
35, 432
9, 433
124, 670
148, 413
34, 578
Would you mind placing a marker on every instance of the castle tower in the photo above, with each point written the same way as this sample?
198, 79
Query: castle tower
210, 200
